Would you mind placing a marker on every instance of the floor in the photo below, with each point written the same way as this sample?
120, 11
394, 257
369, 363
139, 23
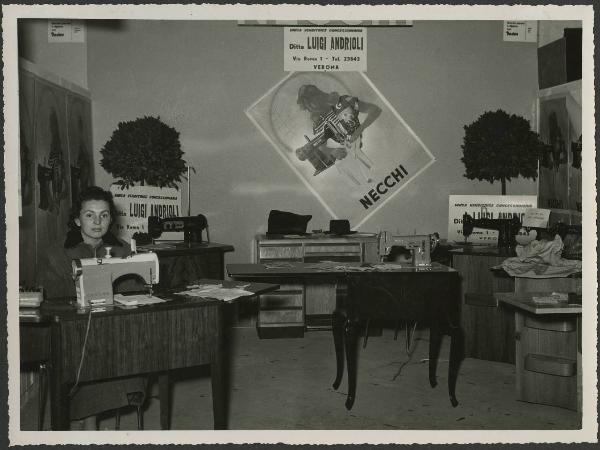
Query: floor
285, 384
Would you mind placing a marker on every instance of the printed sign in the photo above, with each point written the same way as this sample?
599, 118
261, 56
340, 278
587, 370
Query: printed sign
137, 203
342, 138
520, 31
536, 218
66, 31
488, 207
324, 49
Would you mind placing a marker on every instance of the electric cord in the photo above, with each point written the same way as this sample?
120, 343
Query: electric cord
410, 342
410, 339
87, 331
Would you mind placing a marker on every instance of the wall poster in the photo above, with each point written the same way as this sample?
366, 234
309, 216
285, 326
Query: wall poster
560, 167
342, 138
79, 134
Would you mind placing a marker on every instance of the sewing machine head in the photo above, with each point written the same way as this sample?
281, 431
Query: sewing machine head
94, 277
419, 245
191, 226
507, 228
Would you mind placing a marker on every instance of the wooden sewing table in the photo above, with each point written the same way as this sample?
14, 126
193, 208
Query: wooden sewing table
182, 332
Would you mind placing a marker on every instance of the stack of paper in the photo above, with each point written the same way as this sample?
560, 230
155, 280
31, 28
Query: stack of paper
29, 312
551, 299
30, 299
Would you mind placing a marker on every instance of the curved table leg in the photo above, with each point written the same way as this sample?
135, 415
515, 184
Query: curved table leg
456, 356
338, 323
435, 341
352, 331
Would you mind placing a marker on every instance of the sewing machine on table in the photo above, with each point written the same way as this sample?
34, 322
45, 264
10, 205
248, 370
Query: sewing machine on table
507, 228
419, 245
191, 226
94, 277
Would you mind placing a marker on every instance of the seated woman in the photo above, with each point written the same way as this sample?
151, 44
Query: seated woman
89, 237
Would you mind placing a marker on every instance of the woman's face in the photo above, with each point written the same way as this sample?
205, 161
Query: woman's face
94, 220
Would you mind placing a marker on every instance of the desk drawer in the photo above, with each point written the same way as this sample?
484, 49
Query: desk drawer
278, 252
281, 299
332, 249
282, 316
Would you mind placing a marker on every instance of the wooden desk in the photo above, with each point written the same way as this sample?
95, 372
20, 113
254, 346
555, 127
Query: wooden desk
183, 332
548, 350
298, 307
430, 295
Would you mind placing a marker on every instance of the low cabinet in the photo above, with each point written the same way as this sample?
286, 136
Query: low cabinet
299, 306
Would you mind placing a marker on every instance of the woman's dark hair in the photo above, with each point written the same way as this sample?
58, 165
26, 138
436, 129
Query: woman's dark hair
92, 193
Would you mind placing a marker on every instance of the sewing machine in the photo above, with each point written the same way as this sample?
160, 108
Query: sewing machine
420, 246
191, 226
507, 228
94, 277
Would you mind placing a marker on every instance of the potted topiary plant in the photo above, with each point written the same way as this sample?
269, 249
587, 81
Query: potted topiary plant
145, 157
499, 146
145, 151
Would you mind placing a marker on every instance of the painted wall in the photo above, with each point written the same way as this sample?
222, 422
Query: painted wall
551, 30
200, 77
67, 60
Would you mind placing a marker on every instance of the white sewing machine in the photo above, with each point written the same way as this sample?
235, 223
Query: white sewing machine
94, 277
420, 246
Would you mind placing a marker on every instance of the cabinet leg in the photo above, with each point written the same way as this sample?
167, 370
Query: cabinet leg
435, 341
352, 332
164, 395
456, 356
338, 324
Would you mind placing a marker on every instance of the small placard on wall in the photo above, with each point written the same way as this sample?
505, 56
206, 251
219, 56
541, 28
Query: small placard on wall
60, 31
520, 31
325, 49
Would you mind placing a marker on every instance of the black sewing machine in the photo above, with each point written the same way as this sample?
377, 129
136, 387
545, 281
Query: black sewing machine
191, 227
507, 228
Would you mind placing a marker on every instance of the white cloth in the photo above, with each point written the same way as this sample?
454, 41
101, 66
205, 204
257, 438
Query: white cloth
541, 259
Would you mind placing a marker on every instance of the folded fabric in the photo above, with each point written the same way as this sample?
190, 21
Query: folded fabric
541, 259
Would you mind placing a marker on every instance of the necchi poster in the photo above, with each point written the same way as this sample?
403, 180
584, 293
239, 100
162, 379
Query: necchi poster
344, 140
137, 203
484, 207
325, 49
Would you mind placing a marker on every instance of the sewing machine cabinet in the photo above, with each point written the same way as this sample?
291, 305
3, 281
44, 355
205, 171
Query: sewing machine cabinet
299, 306
489, 327
180, 265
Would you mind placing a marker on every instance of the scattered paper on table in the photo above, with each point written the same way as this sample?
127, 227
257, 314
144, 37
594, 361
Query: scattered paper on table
278, 265
137, 300
217, 292
335, 266
198, 288
389, 266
